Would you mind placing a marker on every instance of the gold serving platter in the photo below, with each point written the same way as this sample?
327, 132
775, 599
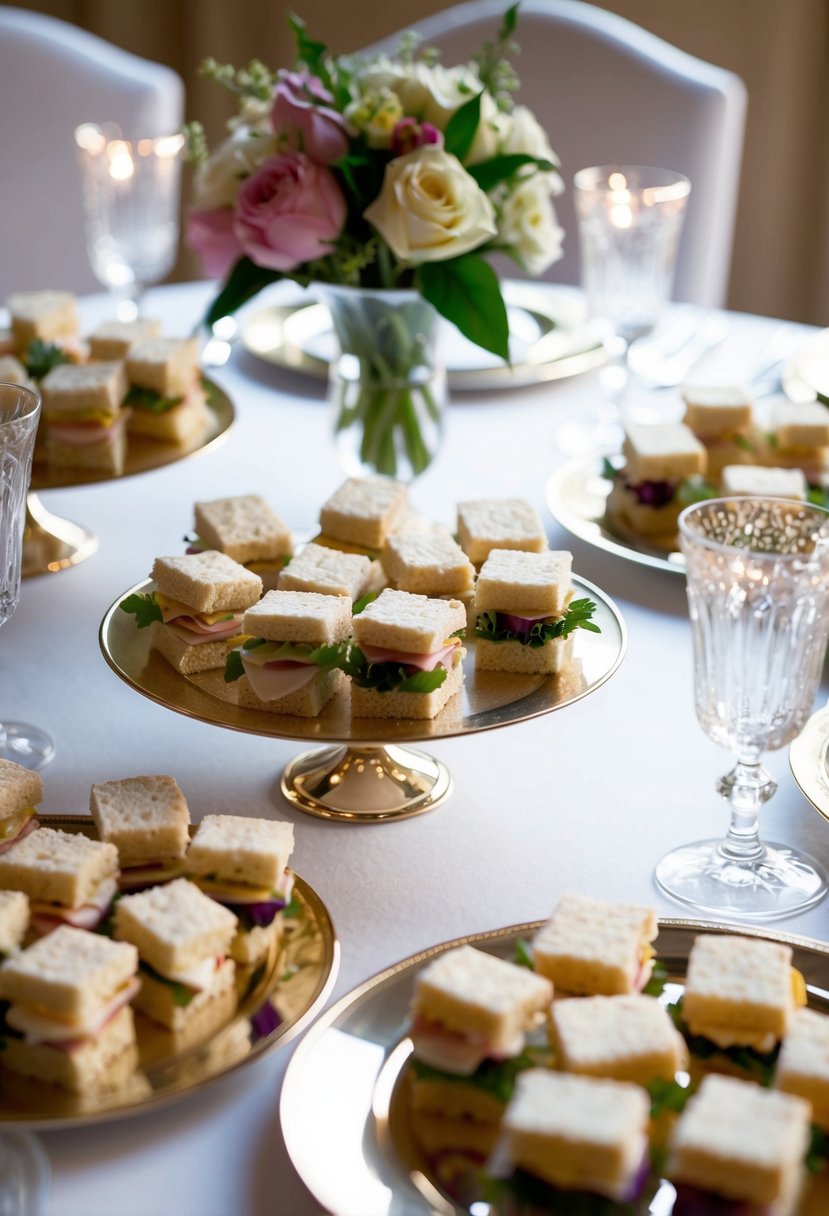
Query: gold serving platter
276, 1000
345, 1084
370, 775
576, 496
809, 761
549, 340
51, 543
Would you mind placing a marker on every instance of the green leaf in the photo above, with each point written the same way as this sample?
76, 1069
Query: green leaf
759, 1066
491, 627
154, 403
41, 357
143, 607
524, 954
466, 291
609, 470
490, 173
309, 51
245, 280
181, 994
293, 909
659, 978
388, 677
667, 1096
233, 666
494, 1077
695, 489
508, 23
363, 602
818, 496
459, 135
818, 1153
743, 441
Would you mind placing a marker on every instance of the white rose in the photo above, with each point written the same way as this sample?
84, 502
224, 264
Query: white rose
529, 229
526, 135
446, 89
430, 209
217, 179
409, 81
493, 129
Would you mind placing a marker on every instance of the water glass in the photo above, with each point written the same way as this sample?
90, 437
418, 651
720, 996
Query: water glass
758, 595
131, 195
19, 414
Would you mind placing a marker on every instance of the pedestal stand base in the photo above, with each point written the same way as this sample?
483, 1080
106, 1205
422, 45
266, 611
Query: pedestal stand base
51, 543
366, 784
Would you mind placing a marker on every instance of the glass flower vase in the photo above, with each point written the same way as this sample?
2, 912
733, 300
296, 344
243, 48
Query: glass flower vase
387, 387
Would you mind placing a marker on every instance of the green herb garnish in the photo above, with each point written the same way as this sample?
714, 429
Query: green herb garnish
152, 402
758, 1065
818, 496
743, 441
695, 489
667, 1097
489, 627
523, 956
144, 608
41, 357
493, 1077
388, 677
363, 602
818, 1153
325, 657
658, 980
609, 470
181, 994
293, 909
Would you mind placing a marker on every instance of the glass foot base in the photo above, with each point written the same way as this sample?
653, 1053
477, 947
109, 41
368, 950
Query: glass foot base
780, 883
25, 744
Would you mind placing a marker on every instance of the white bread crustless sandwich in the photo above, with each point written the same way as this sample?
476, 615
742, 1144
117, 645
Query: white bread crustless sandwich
115, 339
242, 863
524, 612
147, 819
69, 1016
406, 657
288, 660
758, 481
328, 572
499, 523
799, 439
183, 938
166, 395
625, 1038
21, 789
589, 947
51, 316
576, 1133
722, 418
196, 608
470, 1011
742, 1142
361, 513
661, 462
429, 561
803, 1063
14, 921
83, 415
246, 529
67, 877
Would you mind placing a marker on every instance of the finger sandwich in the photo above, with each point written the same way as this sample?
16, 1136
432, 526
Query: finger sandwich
760, 482
183, 938
799, 439
576, 1133
51, 316
430, 562
361, 514
69, 1016
647, 492
328, 572
287, 663
246, 529
83, 415
742, 1142
67, 877
115, 339
485, 524
196, 608
406, 660
803, 1063
166, 394
14, 921
722, 418
470, 1016
242, 863
589, 947
524, 612
626, 1038
741, 991
12, 371
147, 819
20, 791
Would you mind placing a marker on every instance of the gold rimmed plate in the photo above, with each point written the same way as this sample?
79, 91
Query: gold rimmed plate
806, 375
275, 1000
576, 496
51, 543
345, 1086
809, 761
549, 340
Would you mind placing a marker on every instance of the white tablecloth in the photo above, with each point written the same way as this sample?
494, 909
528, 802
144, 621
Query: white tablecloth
587, 799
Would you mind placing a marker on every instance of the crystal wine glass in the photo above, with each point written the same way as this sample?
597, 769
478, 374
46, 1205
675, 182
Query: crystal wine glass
758, 595
131, 195
19, 414
630, 220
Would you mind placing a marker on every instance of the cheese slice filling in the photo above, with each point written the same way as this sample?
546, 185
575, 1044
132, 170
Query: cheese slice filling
245, 893
38, 1027
14, 824
197, 975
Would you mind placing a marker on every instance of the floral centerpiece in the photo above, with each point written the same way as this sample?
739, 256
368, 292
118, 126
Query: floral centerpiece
384, 181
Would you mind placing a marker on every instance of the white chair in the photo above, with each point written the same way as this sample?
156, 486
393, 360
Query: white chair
54, 76
608, 92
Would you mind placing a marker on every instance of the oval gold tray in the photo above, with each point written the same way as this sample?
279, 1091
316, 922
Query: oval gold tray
276, 1000
345, 1085
489, 699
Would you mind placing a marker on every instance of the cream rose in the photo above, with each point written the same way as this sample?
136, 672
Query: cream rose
217, 180
529, 229
430, 209
526, 135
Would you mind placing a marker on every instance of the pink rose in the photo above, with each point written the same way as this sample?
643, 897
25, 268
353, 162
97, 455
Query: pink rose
288, 212
409, 134
304, 121
210, 233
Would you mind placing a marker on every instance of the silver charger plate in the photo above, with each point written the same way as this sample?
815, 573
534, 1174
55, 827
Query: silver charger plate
549, 340
809, 761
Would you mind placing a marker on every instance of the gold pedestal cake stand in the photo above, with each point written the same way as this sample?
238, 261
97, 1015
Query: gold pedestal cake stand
369, 773
51, 543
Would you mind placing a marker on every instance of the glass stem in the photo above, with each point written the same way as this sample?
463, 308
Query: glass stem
746, 788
